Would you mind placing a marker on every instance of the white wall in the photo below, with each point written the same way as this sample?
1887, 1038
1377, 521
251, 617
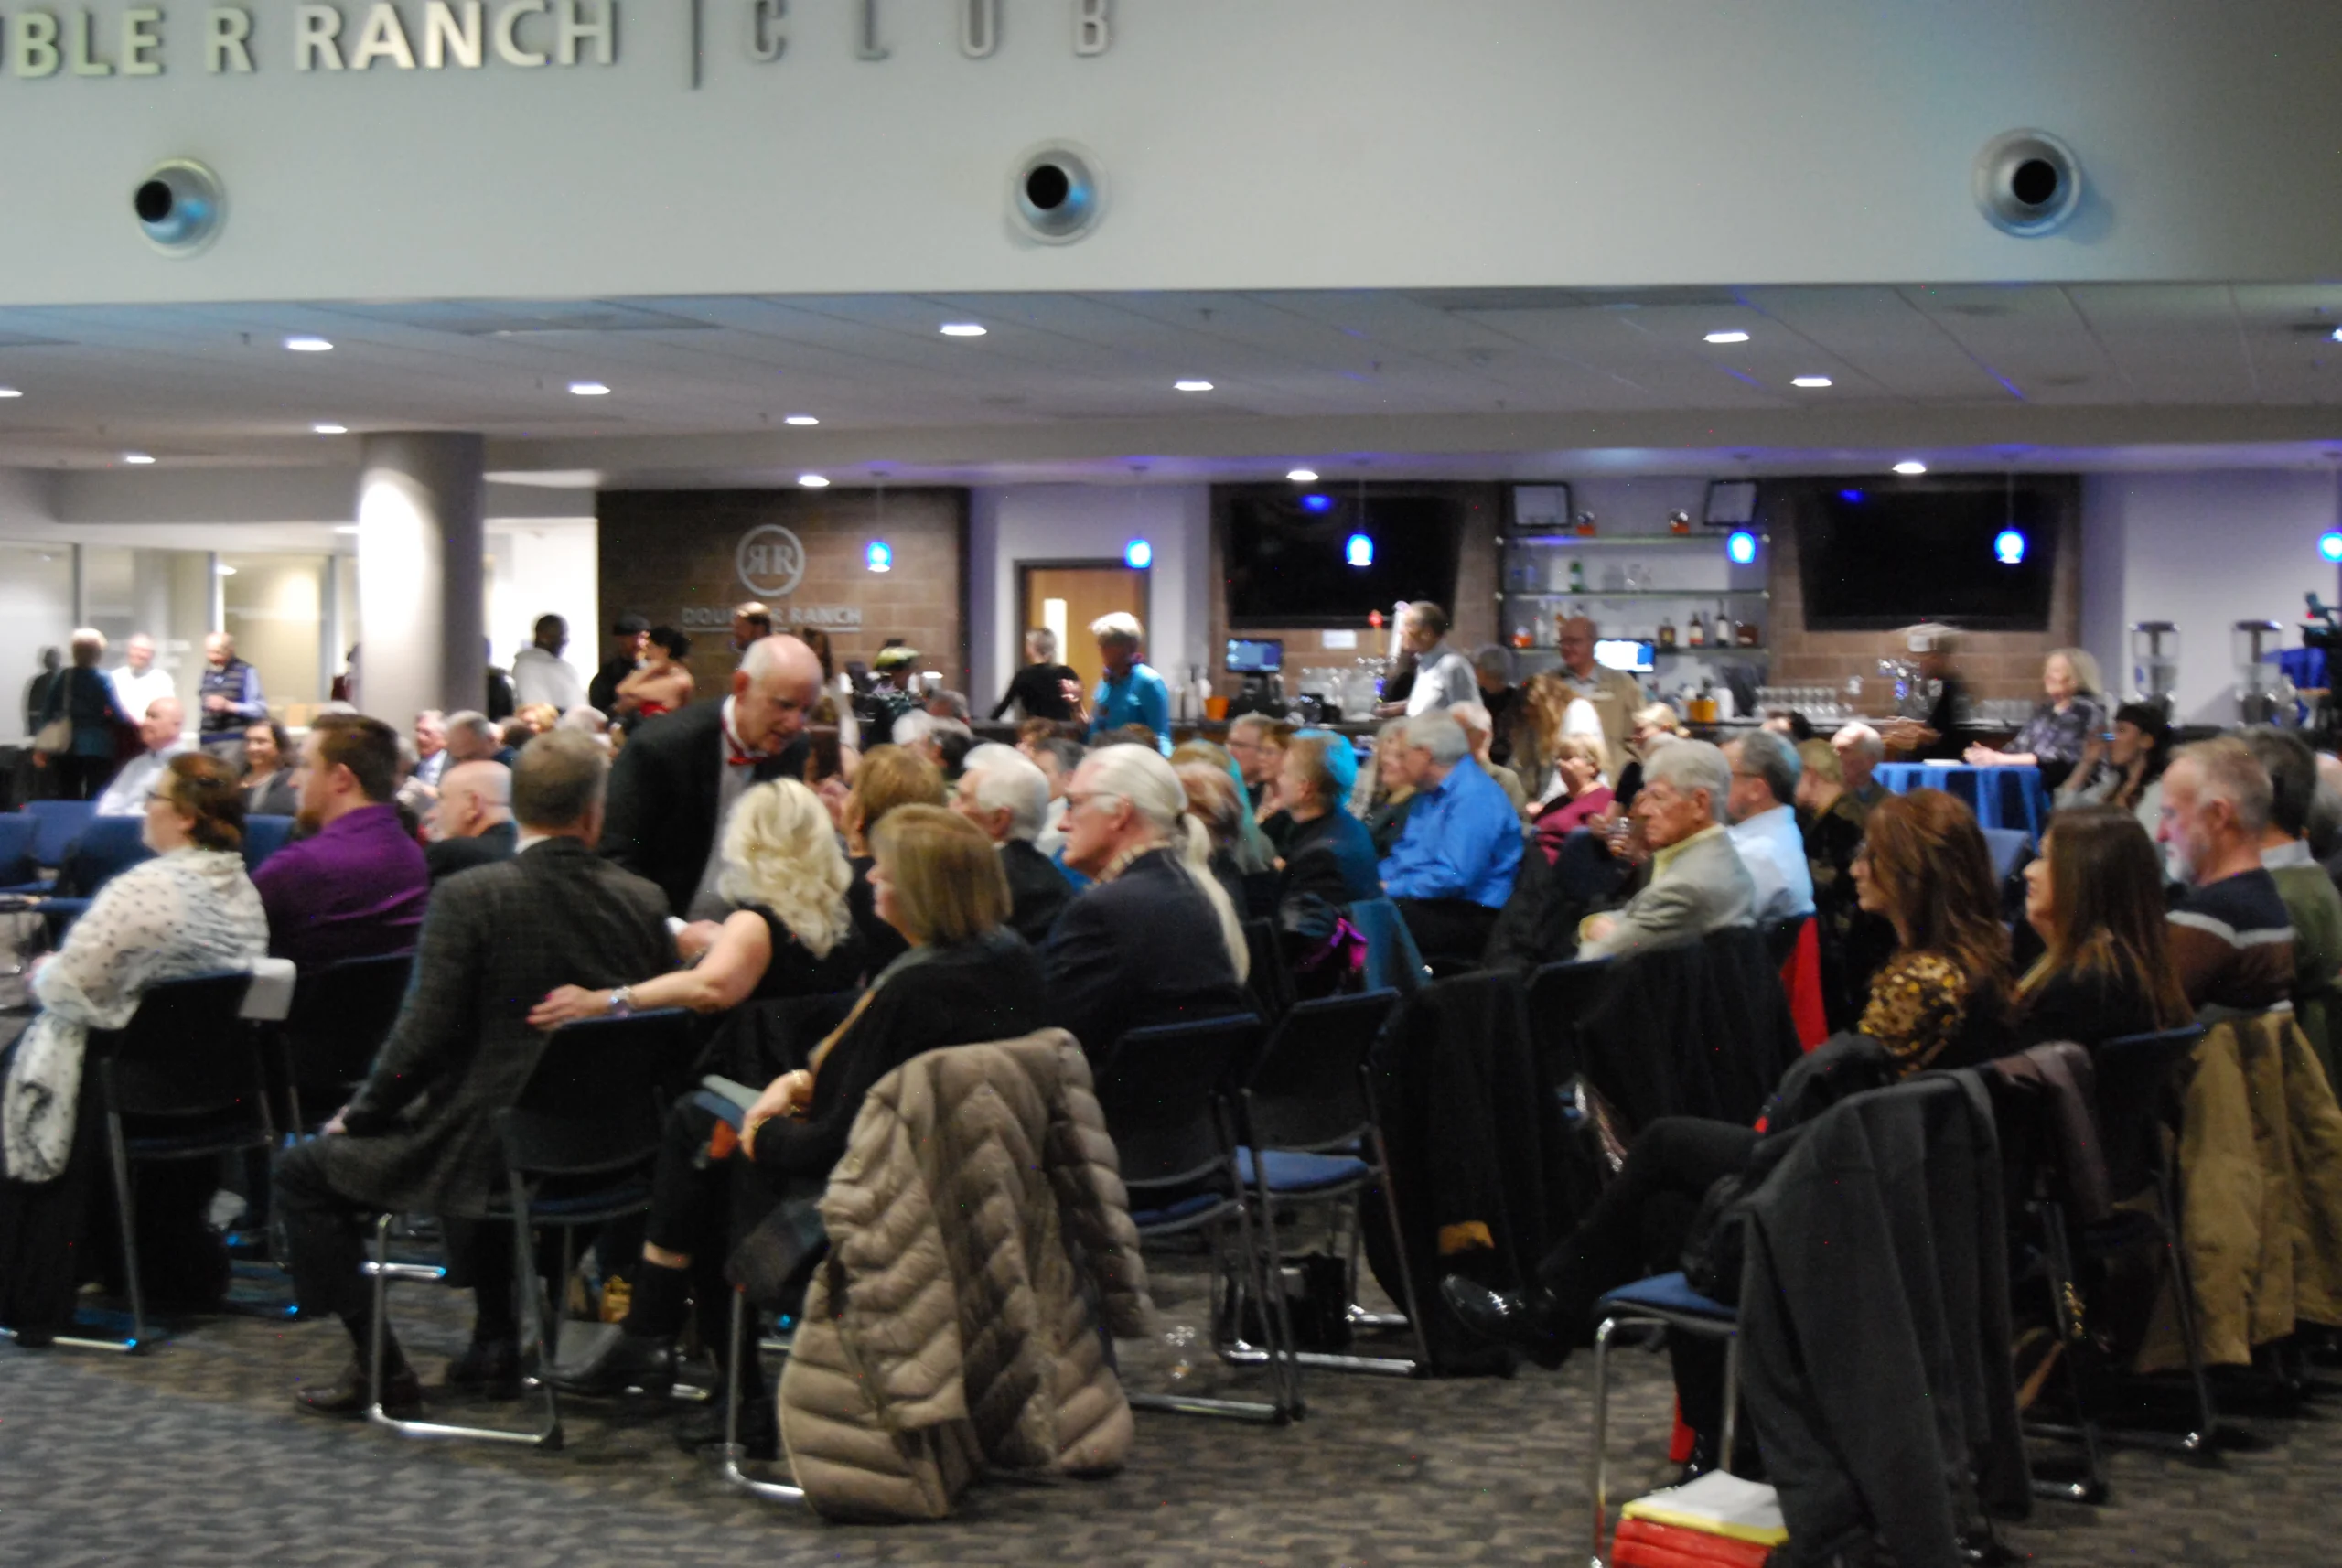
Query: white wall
1063, 523
2204, 550
544, 568
35, 612
1339, 143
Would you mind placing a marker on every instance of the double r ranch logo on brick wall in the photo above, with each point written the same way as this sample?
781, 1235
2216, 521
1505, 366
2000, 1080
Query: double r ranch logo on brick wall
770, 560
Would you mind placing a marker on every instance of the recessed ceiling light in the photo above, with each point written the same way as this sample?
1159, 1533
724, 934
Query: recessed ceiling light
801, 419
962, 329
225, 570
309, 345
1810, 383
136, 457
1191, 386
330, 429
2335, 334
10, 391
814, 481
1303, 476
588, 388
1911, 467
1733, 335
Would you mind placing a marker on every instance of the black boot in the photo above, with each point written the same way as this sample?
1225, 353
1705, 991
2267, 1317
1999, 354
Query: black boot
622, 1362
1529, 1320
491, 1368
348, 1396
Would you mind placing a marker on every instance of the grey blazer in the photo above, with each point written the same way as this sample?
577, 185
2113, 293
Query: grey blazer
1705, 888
422, 1129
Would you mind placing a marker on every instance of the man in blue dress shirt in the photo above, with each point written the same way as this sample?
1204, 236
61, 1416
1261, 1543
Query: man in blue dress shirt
1132, 694
1453, 868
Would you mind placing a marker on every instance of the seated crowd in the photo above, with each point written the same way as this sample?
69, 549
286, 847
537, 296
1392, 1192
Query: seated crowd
831, 912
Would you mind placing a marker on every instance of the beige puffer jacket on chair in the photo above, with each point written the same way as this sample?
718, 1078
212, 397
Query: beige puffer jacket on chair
950, 1331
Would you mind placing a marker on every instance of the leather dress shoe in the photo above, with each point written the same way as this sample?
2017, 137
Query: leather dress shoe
347, 1396
1528, 1321
760, 1428
622, 1362
488, 1367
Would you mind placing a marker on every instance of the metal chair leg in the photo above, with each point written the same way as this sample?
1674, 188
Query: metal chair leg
1597, 1462
2064, 1298
1276, 1314
1731, 1401
125, 1210
733, 1449
2184, 1294
1399, 1241
548, 1437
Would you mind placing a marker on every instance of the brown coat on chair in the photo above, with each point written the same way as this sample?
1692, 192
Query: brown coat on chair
949, 1330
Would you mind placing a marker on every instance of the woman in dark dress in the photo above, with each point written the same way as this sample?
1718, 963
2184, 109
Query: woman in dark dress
2095, 895
963, 978
1329, 861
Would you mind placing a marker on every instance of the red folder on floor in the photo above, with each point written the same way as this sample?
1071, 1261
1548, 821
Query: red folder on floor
1644, 1543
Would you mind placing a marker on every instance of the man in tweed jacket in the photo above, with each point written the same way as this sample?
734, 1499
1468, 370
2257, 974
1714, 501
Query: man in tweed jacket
420, 1134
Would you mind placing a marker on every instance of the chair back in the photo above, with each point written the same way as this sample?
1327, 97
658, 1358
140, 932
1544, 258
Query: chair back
2136, 1078
263, 836
1161, 1094
17, 864
56, 823
1781, 937
187, 1051
1306, 1091
341, 1015
1559, 996
1270, 981
1393, 963
597, 1101
105, 847
2007, 846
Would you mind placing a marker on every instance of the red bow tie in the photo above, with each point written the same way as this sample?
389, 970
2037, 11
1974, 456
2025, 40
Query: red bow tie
739, 758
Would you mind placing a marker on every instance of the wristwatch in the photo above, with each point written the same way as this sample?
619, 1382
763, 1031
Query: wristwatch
622, 1002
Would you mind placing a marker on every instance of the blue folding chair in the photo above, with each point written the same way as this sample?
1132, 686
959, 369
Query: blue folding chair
57, 824
263, 836
19, 871
2007, 846
105, 847
1393, 963
1663, 1301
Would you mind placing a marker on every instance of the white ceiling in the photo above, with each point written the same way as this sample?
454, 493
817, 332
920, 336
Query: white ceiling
1080, 385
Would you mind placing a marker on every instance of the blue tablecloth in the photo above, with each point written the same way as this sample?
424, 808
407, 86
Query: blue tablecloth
2000, 797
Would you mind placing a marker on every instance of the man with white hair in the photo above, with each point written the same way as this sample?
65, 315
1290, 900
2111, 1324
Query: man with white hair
1154, 939
1131, 693
126, 795
1004, 793
1480, 734
1860, 750
678, 777
1764, 824
1451, 869
2232, 936
1698, 883
137, 683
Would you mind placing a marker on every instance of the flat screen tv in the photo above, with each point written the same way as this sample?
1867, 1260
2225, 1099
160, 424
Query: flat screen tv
1294, 557
1975, 552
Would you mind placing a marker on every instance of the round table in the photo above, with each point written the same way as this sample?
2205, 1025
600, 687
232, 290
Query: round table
2000, 797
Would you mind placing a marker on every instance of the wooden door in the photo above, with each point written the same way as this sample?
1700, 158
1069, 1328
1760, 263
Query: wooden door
1067, 596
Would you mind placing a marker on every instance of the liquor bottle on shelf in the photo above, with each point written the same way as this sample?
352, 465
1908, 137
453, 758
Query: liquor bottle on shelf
1585, 525
1666, 632
1748, 634
1698, 636
1521, 638
1679, 522
1577, 576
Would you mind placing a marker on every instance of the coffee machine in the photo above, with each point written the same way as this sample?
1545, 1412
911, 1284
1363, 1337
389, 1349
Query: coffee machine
2154, 665
2263, 694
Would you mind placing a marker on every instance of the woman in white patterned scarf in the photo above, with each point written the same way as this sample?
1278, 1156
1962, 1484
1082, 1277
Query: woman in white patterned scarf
189, 911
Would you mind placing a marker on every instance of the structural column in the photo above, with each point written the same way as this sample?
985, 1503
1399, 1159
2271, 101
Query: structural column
422, 602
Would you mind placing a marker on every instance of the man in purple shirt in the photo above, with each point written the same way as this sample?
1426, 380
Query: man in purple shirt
356, 886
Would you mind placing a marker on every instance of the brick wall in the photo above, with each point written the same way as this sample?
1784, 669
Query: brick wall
678, 558
1997, 665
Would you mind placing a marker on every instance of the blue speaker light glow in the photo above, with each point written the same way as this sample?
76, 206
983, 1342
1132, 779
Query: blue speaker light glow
1741, 548
879, 555
1138, 555
2008, 547
1358, 550
1317, 503
2329, 546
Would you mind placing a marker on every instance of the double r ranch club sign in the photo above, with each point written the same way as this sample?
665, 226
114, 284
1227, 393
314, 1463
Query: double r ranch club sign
471, 35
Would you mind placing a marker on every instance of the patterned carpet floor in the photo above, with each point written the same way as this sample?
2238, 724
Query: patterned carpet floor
192, 1456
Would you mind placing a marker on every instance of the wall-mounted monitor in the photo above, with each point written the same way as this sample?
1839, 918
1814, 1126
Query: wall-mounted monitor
1255, 655
1876, 553
1290, 559
1731, 503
